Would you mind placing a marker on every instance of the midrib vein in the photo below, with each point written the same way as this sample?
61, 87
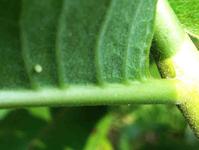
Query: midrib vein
125, 76
146, 50
23, 51
102, 31
59, 63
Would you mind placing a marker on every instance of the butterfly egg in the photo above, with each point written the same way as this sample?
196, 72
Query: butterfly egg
38, 68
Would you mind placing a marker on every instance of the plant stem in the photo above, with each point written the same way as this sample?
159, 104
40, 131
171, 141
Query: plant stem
146, 92
177, 57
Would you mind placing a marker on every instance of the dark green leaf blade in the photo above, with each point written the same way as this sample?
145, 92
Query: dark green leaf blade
64, 43
38, 37
12, 69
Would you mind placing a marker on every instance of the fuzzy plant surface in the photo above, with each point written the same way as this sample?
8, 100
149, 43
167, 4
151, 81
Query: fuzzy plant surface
78, 53
74, 53
188, 14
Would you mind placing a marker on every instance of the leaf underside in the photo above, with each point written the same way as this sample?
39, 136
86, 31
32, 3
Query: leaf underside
57, 43
188, 14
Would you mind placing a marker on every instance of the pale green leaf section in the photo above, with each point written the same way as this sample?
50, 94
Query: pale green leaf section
188, 14
41, 113
98, 139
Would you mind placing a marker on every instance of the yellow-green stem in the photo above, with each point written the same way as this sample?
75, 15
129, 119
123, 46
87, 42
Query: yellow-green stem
177, 57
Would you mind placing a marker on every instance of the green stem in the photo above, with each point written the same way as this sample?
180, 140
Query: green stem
177, 57
146, 92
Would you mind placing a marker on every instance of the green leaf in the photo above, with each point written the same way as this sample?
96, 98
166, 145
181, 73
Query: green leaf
187, 12
195, 40
41, 112
99, 137
4, 113
54, 44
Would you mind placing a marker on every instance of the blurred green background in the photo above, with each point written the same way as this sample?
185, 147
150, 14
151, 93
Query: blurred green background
96, 128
